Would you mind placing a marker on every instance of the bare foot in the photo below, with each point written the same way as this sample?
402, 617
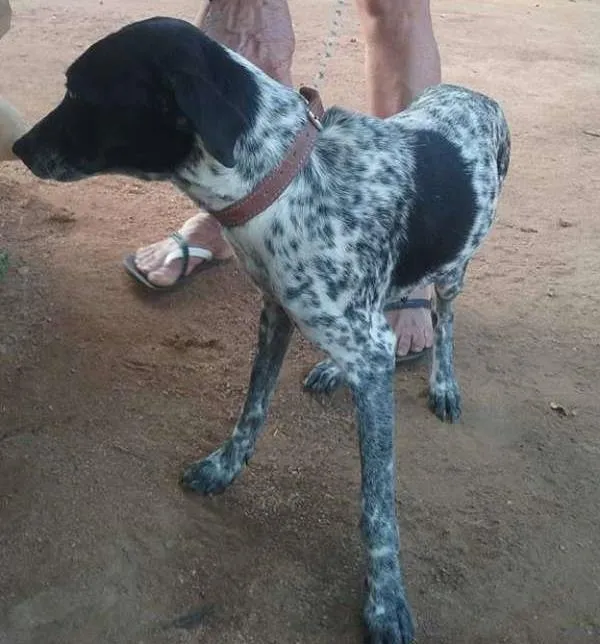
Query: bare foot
201, 230
413, 327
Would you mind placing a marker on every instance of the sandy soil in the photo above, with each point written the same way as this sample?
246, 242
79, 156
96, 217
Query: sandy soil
106, 393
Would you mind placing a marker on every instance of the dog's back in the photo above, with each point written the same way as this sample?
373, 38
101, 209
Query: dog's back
419, 188
461, 152
472, 121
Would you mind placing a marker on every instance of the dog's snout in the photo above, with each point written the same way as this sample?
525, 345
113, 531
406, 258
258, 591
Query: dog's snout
44, 160
22, 149
28, 151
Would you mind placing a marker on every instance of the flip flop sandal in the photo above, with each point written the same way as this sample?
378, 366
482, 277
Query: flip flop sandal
415, 303
184, 252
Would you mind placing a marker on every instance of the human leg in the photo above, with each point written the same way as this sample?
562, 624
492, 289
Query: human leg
401, 60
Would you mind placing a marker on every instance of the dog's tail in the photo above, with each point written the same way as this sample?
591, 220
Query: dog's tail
503, 147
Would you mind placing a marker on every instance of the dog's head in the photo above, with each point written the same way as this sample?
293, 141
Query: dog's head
139, 102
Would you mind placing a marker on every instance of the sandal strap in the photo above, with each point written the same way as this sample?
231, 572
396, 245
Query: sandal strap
185, 254
398, 304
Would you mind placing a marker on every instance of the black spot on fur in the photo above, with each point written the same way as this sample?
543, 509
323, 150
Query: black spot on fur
442, 212
322, 320
328, 236
304, 287
329, 154
357, 198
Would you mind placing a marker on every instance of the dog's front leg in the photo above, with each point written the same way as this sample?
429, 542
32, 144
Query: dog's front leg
386, 612
368, 368
214, 473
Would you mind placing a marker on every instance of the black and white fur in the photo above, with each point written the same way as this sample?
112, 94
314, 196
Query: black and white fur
381, 207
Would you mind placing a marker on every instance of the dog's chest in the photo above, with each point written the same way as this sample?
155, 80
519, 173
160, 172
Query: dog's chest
248, 248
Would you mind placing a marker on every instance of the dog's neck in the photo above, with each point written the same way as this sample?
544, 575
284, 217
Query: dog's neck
280, 115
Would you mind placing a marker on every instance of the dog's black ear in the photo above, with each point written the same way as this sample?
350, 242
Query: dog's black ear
219, 98
218, 123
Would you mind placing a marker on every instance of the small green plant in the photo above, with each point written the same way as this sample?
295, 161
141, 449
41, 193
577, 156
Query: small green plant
3, 263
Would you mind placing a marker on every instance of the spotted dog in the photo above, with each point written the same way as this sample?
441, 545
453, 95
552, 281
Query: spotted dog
379, 208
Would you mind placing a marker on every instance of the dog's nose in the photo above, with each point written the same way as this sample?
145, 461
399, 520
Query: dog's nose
27, 149
21, 148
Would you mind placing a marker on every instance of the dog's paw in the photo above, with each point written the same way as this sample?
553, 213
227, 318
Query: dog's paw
387, 617
212, 474
324, 378
444, 402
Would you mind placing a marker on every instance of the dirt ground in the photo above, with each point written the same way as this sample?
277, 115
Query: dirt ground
105, 393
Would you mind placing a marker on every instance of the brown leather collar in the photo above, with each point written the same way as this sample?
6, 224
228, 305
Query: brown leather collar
268, 190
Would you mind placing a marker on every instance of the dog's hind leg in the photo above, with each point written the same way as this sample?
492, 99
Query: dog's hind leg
444, 394
214, 473
325, 377
368, 369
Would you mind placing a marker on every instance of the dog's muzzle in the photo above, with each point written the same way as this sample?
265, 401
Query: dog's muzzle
45, 164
